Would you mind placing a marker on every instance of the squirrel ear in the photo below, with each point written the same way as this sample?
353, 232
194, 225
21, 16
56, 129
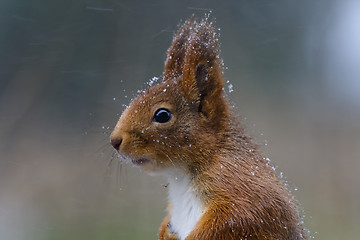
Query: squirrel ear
194, 54
195, 45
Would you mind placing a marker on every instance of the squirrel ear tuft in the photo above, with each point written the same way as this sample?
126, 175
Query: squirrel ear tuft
194, 56
174, 63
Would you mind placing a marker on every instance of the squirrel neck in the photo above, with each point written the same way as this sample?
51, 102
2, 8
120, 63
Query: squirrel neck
233, 156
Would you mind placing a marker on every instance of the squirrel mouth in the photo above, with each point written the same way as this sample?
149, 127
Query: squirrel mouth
140, 161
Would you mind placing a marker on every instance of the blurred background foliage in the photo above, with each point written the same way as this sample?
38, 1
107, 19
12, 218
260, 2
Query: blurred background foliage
68, 67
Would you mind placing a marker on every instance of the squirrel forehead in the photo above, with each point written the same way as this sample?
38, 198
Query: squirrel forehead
164, 92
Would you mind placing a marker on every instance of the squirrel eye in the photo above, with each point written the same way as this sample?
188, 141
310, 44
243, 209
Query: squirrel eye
162, 115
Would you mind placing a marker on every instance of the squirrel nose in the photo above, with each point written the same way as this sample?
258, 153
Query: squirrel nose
116, 142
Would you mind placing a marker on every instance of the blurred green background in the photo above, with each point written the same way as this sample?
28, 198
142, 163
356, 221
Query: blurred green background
68, 67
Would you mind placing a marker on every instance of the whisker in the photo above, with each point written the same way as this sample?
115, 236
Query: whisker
118, 174
108, 167
103, 147
111, 161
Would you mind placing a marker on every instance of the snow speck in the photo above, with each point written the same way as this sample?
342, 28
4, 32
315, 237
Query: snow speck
229, 86
153, 80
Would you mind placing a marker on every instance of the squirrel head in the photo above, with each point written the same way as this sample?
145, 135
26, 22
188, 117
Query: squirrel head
177, 122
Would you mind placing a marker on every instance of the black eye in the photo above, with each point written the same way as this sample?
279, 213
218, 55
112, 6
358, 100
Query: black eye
162, 115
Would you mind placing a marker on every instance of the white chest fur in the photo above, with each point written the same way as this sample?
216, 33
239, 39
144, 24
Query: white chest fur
186, 206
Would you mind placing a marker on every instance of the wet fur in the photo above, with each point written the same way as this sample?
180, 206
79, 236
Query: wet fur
241, 197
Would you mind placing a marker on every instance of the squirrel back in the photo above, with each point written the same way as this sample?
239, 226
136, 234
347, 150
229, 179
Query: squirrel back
221, 187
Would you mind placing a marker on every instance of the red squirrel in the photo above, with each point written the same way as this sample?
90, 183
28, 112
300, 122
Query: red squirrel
220, 185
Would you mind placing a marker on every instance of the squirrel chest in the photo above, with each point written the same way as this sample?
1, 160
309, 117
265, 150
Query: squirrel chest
186, 208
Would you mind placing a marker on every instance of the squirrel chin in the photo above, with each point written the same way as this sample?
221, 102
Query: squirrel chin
147, 165
140, 161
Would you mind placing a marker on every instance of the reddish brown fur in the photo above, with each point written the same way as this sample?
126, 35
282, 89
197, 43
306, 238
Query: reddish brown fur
243, 197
